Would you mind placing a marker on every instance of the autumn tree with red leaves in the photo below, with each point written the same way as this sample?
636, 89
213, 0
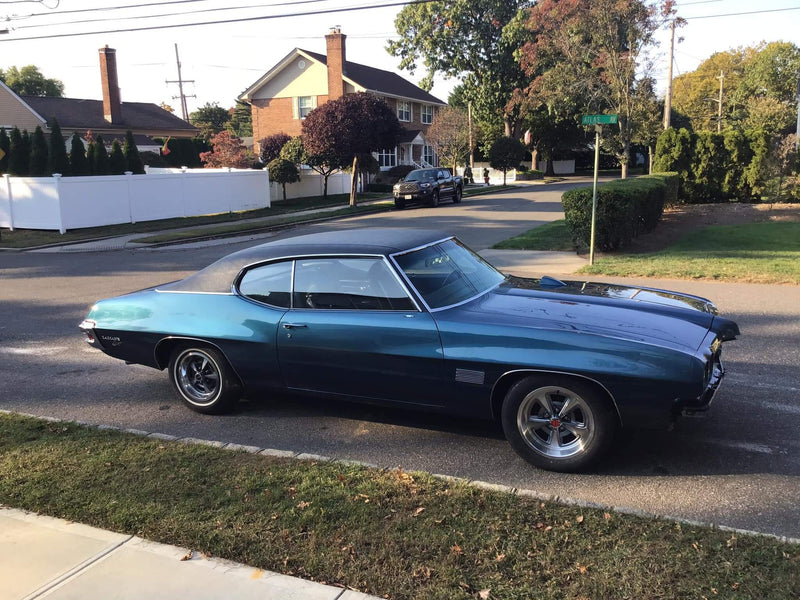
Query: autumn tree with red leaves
348, 126
227, 151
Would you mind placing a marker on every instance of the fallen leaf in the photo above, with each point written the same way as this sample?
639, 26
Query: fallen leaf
540, 525
579, 518
500, 557
419, 511
303, 504
607, 516
582, 569
455, 549
188, 555
483, 594
731, 543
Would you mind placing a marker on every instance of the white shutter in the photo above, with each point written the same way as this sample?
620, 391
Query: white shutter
295, 107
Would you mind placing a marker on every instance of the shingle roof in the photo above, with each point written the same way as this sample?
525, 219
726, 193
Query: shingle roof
76, 113
380, 81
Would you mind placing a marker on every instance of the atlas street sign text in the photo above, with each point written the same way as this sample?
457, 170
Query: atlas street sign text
598, 119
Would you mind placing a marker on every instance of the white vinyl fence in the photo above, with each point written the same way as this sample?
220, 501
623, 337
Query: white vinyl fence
74, 202
311, 184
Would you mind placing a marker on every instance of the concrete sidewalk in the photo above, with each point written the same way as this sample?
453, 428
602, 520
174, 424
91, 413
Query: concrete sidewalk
43, 557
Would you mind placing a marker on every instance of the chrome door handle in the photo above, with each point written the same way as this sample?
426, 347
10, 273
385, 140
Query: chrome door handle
294, 325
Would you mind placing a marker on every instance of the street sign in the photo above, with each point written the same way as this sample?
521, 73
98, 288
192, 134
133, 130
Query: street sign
598, 119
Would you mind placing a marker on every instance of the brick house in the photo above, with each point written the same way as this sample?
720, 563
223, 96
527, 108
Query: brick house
303, 80
109, 117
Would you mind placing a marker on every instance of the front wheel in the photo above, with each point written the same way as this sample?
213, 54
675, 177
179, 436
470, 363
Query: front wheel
558, 423
203, 379
434, 201
399, 204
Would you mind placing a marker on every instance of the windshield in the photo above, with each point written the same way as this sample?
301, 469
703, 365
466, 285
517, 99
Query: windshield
421, 176
448, 273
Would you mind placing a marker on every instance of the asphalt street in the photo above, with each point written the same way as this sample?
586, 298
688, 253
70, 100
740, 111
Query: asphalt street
738, 467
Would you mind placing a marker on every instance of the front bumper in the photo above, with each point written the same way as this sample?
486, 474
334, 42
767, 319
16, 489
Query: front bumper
699, 406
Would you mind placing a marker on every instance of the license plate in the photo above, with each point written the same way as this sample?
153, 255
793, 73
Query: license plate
408, 196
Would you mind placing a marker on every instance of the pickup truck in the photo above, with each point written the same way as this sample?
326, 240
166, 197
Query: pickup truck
428, 186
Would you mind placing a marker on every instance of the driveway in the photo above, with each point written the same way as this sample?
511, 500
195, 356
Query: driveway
739, 467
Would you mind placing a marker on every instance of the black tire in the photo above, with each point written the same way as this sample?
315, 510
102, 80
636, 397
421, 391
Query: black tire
203, 379
457, 196
399, 204
558, 440
434, 201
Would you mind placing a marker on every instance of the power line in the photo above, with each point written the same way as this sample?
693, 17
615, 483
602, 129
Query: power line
738, 14
218, 22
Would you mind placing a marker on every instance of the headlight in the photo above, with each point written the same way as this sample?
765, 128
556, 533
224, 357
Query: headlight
425, 185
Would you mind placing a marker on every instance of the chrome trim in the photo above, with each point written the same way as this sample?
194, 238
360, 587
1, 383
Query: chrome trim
158, 291
604, 388
87, 324
294, 259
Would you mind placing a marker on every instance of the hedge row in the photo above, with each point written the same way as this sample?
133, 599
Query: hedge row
626, 208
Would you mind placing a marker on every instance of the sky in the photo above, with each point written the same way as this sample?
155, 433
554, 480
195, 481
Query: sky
222, 60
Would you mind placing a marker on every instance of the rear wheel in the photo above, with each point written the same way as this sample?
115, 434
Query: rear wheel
558, 423
434, 201
457, 196
203, 379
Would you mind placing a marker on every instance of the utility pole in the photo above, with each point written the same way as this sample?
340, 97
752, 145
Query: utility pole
797, 130
180, 82
472, 148
719, 102
668, 97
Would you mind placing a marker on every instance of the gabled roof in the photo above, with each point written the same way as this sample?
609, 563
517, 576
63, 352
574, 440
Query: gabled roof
369, 78
75, 113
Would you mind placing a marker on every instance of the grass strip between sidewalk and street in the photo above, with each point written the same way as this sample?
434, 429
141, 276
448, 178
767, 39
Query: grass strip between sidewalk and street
385, 532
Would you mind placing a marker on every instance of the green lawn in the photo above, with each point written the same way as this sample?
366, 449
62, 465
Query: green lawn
385, 532
754, 253
550, 236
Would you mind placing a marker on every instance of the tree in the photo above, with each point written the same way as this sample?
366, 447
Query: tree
59, 163
449, 134
472, 40
210, 118
595, 50
78, 164
241, 120
29, 81
709, 167
133, 161
675, 153
506, 154
18, 155
551, 134
5, 148
100, 162
39, 155
270, 146
769, 114
739, 154
283, 171
228, 151
116, 161
323, 164
349, 126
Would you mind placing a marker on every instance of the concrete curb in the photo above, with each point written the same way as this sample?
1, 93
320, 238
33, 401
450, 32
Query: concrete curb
484, 485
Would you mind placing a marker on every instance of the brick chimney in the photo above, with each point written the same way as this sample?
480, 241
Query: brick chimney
112, 106
336, 58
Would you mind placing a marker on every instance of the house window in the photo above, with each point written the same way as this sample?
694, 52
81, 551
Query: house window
403, 110
387, 158
428, 155
305, 104
427, 114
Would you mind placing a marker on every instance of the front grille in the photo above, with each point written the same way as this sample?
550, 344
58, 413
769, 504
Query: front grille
407, 188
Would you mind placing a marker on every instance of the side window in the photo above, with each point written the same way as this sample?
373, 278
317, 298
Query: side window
348, 284
270, 284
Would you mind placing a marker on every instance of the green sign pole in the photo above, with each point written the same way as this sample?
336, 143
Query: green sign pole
598, 130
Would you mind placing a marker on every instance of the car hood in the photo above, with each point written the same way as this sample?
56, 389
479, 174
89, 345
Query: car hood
639, 314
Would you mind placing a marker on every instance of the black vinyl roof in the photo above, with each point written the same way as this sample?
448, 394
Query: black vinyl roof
219, 276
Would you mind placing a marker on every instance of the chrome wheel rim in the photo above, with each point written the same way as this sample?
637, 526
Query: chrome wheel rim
556, 422
198, 377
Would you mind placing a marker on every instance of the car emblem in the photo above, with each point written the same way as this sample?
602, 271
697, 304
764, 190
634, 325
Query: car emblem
555, 422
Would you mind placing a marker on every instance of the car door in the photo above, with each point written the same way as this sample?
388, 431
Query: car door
445, 184
353, 329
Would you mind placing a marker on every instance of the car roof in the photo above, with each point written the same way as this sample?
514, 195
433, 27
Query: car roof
218, 277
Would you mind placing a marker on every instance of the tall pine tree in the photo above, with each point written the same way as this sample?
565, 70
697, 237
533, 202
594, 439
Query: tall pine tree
100, 164
17, 155
78, 163
116, 161
133, 162
39, 154
5, 149
59, 163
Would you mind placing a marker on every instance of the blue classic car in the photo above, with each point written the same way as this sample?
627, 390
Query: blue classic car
414, 318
